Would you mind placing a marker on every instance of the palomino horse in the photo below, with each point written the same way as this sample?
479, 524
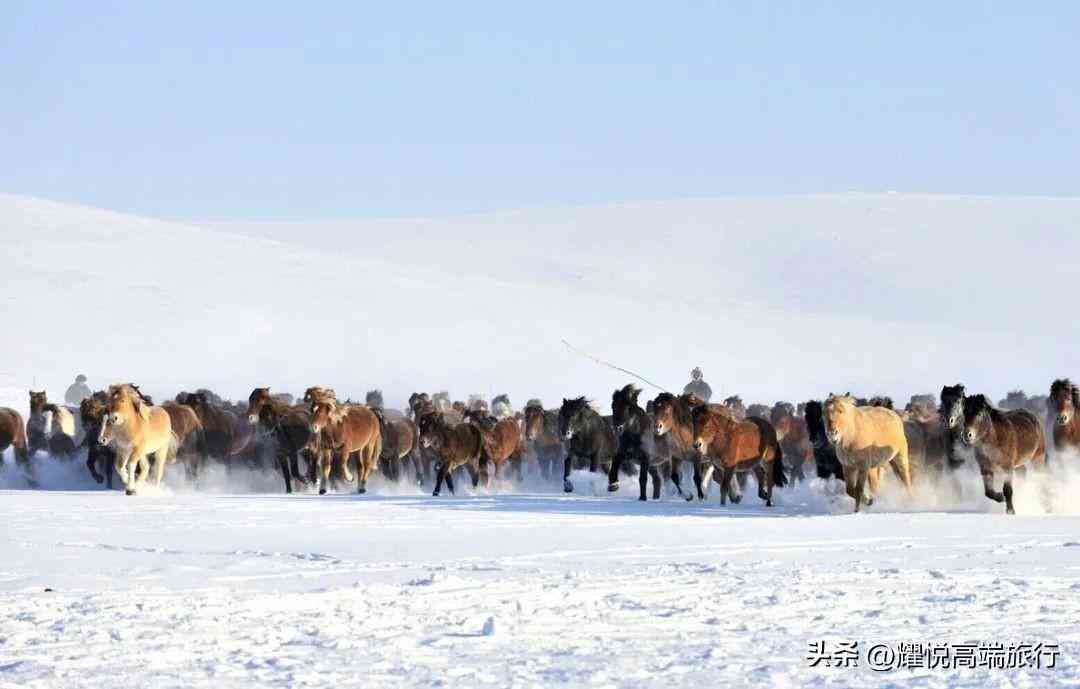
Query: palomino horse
137, 429
794, 439
827, 464
503, 443
590, 438
637, 443
542, 436
1003, 440
100, 458
350, 430
866, 438
13, 434
1064, 410
460, 445
734, 446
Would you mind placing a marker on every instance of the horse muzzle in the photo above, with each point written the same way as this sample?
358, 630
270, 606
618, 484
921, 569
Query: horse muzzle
1063, 419
253, 419
699, 445
659, 429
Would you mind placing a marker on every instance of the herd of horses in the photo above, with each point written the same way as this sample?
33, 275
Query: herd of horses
436, 441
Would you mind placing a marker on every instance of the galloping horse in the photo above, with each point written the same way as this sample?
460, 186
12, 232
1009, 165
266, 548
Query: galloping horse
351, 429
503, 442
93, 410
637, 442
734, 446
137, 429
542, 436
1004, 440
460, 445
590, 438
13, 434
1064, 408
866, 438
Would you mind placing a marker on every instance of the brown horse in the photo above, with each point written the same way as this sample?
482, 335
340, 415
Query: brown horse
542, 437
866, 438
1003, 440
503, 442
219, 425
794, 439
350, 430
456, 446
92, 410
674, 426
137, 430
734, 446
1064, 408
399, 443
13, 434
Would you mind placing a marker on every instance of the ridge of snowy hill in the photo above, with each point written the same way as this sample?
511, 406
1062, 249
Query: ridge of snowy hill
786, 297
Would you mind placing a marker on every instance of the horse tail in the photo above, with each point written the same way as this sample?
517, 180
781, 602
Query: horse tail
22, 448
779, 478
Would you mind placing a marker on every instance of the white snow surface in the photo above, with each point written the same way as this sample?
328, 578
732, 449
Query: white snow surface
535, 588
237, 585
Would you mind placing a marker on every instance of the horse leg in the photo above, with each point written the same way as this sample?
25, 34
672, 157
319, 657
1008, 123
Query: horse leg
440, 474
283, 464
326, 464
450, 480
703, 484
110, 462
988, 486
643, 476
91, 464
568, 465
474, 475
159, 466
676, 477
1007, 491
860, 486
657, 482
613, 473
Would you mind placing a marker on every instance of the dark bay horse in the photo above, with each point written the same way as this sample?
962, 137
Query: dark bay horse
542, 437
794, 439
826, 462
100, 459
219, 425
503, 442
952, 421
1064, 411
589, 437
1004, 441
289, 429
674, 426
455, 446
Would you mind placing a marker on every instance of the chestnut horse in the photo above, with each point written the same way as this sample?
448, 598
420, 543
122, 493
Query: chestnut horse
503, 443
460, 445
351, 430
13, 434
1003, 440
794, 439
137, 430
866, 438
399, 443
672, 423
1064, 409
542, 437
734, 446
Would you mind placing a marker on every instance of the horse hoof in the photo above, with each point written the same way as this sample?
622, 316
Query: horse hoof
612, 487
688, 498
567, 487
642, 498
1009, 510
129, 491
322, 491
435, 494
361, 491
99, 479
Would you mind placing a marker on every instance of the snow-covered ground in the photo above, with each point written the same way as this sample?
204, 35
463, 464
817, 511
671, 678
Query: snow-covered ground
237, 585
536, 588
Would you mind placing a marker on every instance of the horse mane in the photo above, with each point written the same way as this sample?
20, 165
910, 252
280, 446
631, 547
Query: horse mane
950, 392
1062, 384
503, 398
977, 404
536, 403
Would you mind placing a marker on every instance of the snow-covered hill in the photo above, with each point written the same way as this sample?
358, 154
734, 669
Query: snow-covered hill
786, 297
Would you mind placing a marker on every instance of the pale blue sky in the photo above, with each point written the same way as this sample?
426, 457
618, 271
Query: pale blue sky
337, 109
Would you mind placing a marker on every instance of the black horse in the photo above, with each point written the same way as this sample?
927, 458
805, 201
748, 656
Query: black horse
290, 430
828, 464
637, 443
590, 437
952, 418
